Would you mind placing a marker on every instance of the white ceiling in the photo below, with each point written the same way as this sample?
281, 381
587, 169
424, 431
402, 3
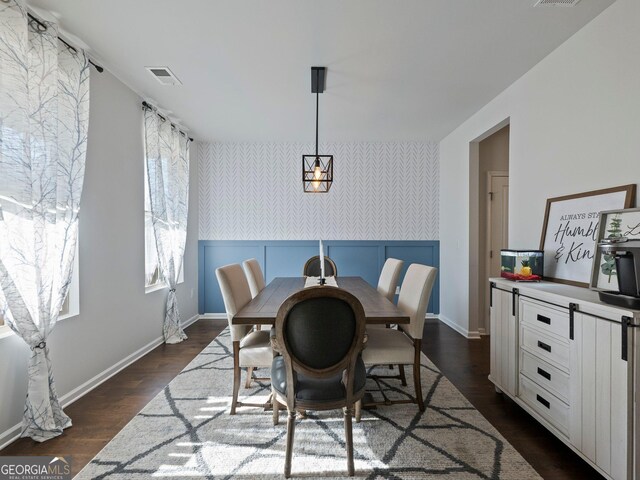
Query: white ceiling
397, 70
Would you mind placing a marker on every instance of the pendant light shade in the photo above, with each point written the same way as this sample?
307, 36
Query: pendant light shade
317, 170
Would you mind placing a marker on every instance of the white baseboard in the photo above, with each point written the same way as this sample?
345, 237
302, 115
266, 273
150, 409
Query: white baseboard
213, 316
13, 433
461, 330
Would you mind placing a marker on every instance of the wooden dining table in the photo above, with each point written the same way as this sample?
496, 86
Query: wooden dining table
262, 310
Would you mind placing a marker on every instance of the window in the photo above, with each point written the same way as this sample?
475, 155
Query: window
151, 268
70, 306
152, 278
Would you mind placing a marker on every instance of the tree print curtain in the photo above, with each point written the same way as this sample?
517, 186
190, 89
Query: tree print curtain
167, 152
44, 114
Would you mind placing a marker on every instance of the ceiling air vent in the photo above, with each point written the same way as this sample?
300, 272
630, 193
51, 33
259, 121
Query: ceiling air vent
164, 75
556, 3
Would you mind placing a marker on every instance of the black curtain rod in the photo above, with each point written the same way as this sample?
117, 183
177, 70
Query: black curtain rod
43, 27
146, 106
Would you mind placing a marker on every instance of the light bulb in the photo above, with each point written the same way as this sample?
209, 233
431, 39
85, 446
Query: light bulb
317, 174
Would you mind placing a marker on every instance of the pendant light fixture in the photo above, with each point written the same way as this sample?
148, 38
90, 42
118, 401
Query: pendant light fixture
317, 170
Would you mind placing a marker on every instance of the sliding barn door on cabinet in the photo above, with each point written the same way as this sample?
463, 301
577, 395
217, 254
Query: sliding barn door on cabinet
601, 391
504, 341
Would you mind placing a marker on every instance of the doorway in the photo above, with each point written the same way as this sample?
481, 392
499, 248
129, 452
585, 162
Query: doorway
489, 219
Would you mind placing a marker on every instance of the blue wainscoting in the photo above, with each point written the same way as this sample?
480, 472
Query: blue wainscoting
285, 258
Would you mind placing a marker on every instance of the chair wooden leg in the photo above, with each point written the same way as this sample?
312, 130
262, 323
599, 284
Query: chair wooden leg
249, 377
416, 375
358, 411
276, 408
291, 428
388, 325
348, 436
236, 376
403, 378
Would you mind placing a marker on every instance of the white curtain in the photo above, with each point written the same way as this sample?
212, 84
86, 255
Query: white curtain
167, 152
44, 114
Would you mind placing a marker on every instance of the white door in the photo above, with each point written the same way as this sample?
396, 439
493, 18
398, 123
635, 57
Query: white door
497, 226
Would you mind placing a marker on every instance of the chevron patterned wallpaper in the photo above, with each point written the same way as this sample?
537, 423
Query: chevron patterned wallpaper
381, 191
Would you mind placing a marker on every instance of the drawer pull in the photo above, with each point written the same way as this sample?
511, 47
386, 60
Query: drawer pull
543, 319
543, 401
544, 373
544, 346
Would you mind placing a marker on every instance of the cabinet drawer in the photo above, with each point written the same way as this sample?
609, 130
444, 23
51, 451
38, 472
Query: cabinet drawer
547, 319
551, 408
545, 375
548, 348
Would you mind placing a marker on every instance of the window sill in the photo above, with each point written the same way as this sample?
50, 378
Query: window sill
5, 331
154, 288
159, 286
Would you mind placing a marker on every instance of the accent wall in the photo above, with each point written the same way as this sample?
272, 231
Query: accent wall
381, 191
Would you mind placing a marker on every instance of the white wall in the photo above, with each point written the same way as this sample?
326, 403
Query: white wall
574, 127
116, 317
381, 191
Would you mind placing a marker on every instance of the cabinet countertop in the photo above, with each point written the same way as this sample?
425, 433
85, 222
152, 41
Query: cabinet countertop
559, 294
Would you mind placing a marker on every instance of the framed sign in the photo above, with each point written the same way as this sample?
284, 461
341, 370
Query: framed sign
570, 229
613, 223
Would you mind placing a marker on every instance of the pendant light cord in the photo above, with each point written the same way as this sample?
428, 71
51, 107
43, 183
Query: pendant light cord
317, 104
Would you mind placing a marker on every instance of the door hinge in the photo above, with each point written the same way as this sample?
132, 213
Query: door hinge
490, 253
491, 196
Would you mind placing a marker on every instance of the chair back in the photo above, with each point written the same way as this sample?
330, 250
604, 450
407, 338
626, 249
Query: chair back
236, 294
389, 277
254, 276
320, 331
312, 267
414, 297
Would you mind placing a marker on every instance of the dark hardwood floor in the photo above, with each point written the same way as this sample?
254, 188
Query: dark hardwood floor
102, 413
466, 364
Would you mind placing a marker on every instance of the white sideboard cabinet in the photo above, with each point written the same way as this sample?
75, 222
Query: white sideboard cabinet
571, 362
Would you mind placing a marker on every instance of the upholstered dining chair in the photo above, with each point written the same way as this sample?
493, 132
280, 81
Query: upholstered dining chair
254, 276
320, 334
388, 282
389, 276
403, 346
312, 267
251, 348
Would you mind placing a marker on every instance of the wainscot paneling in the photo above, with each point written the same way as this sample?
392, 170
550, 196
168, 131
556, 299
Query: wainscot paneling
286, 258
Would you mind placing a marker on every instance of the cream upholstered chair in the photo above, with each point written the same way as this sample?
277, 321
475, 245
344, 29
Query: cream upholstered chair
389, 277
251, 348
403, 346
388, 282
254, 276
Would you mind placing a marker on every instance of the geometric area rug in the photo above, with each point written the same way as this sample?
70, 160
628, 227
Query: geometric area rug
186, 432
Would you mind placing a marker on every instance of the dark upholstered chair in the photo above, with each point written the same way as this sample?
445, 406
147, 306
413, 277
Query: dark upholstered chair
320, 334
312, 267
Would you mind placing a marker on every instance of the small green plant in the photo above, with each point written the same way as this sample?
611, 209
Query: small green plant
608, 266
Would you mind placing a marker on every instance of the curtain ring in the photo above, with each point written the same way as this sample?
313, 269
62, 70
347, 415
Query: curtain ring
42, 344
172, 289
